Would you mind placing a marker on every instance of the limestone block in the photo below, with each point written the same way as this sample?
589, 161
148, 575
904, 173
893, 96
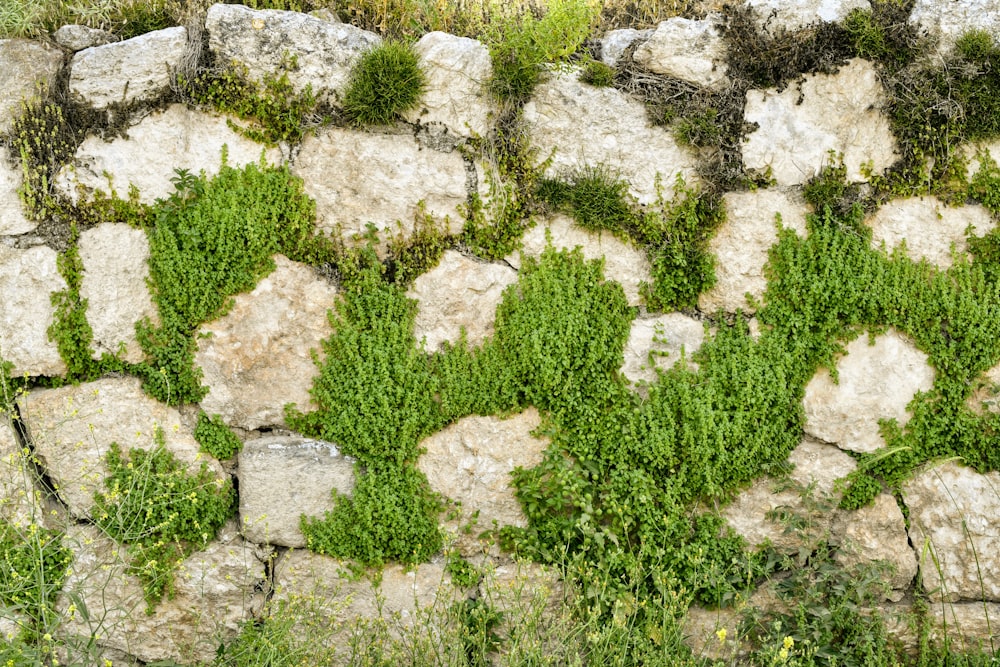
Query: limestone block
258, 356
953, 512
791, 15
459, 293
658, 342
877, 533
623, 263
12, 218
967, 626
19, 498
742, 242
27, 280
140, 68
311, 51
284, 477
24, 66
116, 269
929, 227
876, 382
947, 21
686, 49
80, 37
73, 427
359, 177
175, 138
457, 69
583, 126
615, 42
798, 127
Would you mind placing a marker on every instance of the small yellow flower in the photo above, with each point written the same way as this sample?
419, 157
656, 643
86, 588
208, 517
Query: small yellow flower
789, 643
783, 654
721, 634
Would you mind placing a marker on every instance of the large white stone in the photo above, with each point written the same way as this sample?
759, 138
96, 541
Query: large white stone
457, 69
582, 126
658, 343
136, 69
792, 15
116, 269
742, 242
284, 477
258, 356
175, 138
27, 69
12, 218
79, 37
27, 280
693, 51
615, 42
947, 21
358, 178
953, 526
875, 382
877, 534
967, 626
459, 293
929, 227
800, 126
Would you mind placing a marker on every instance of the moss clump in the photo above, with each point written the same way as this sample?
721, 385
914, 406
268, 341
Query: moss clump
385, 82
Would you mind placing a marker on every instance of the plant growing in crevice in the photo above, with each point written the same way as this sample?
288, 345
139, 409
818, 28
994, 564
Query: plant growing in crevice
385, 82
216, 438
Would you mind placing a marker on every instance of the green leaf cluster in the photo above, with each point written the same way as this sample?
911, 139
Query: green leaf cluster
385, 82
215, 437
33, 567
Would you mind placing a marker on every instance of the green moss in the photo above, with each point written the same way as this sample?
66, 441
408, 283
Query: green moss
418, 251
215, 437
597, 74
385, 82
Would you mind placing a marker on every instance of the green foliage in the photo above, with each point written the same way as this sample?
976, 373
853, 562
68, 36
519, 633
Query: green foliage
215, 437
417, 251
385, 82
597, 74
161, 511
70, 329
33, 567
596, 198
42, 140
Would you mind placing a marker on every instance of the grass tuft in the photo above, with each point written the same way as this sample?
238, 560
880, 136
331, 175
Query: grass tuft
385, 82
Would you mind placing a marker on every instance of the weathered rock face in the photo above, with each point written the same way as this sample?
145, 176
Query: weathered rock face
80, 37
115, 261
27, 279
19, 501
947, 21
358, 178
623, 263
457, 69
284, 477
876, 382
973, 152
953, 512
615, 42
471, 461
582, 126
310, 51
136, 69
72, 429
741, 244
24, 65
12, 218
214, 594
795, 14
658, 342
796, 129
176, 138
693, 51
968, 625
459, 293
929, 227
258, 356
877, 533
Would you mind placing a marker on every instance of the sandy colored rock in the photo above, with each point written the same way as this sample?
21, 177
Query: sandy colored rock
876, 382
967, 626
877, 533
24, 66
582, 126
175, 138
27, 280
79, 37
658, 342
20, 499
793, 15
459, 293
615, 42
73, 428
623, 263
975, 152
947, 21
136, 69
258, 356
953, 512
12, 218
116, 269
800, 126
742, 242
284, 477
693, 51
929, 227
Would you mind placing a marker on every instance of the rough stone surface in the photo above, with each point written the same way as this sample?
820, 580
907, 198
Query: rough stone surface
796, 129
953, 511
80, 37
73, 427
741, 244
135, 69
968, 626
877, 533
929, 227
623, 263
657, 343
792, 15
459, 293
457, 69
116, 267
258, 356
876, 382
215, 592
947, 21
284, 477
974, 151
176, 138
615, 42
360, 177
19, 502
24, 65
27, 279
471, 461
583, 126
266, 41
12, 218
693, 51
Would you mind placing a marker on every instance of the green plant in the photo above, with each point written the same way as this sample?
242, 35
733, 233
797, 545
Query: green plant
215, 437
385, 82
413, 253
597, 74
33, 567
42, 141
595, 197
